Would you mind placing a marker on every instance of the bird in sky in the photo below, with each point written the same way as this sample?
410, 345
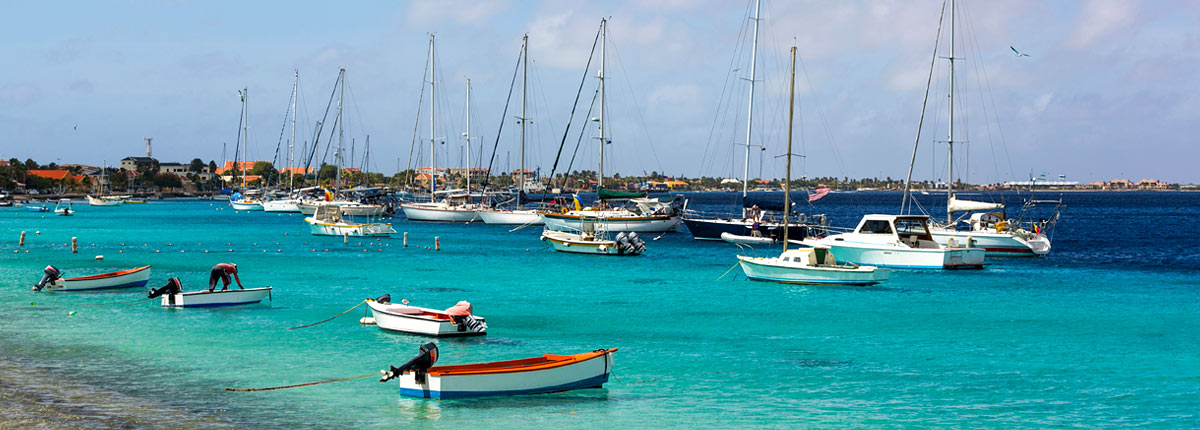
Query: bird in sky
1019, 53
77, 126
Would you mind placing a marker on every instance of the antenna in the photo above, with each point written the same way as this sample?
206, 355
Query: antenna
148, 139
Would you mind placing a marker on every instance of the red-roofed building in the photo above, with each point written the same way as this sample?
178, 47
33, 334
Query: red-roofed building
57, 175
298, 171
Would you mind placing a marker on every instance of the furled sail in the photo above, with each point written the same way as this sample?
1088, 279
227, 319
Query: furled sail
956, 205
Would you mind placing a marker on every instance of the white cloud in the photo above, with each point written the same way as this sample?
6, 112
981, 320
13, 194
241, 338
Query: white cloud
427, 12
19, 94
1098, 19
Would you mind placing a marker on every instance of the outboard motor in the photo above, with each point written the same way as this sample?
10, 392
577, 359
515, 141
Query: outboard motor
385, 299
173, 287
638, 244
52, 274
419, 364
469, 322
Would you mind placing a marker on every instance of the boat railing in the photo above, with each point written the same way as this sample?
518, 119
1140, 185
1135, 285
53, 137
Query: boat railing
743, 247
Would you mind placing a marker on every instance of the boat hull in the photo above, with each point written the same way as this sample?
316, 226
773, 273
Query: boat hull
37, 208
640, 224
349, 229
588, 371
136, 277
773, 270
362, 210
996, 244
245, 205
712, 229
289, 206
101, 201
438, 213
420, 321
517, 217
906, 258
573, 243
205, 299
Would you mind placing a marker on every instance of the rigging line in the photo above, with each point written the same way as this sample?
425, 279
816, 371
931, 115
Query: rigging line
636, 108
837, 155
287, 113
991, 96
704, 163
582, 130
417, 122
504, 114
237, 144
921, 122
320, 127
571, 118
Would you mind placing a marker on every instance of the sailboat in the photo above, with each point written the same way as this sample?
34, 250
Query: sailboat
991, 230
243, 202
757, 220
647, 214
455, 206
104, 200
327, 219
517, 216
291, 202
805, 265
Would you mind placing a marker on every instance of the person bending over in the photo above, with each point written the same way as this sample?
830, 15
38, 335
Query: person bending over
222, 272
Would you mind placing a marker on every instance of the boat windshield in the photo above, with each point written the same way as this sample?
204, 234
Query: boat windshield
876, 227
914, 227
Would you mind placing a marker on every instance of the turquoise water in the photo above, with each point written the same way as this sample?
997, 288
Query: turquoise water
1102, 333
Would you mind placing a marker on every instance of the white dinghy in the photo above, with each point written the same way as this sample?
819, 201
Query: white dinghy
174, 297
457, 321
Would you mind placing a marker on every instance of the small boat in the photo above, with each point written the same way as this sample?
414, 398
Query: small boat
63, 208
510, 217
246, 205
282, 205
37, 207
588, 242
174, 297
548, 373
899, 241
105, 201
328, 221
136, 277
135, 202
810, 266
400, 317
455, 208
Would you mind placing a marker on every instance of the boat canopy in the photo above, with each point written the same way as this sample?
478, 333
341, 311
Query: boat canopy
771, 202
955, 205
606, 194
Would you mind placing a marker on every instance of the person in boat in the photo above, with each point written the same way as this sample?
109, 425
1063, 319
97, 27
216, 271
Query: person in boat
221, 272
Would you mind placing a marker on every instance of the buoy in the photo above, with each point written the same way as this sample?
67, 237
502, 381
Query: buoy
526, 249
206, 251
367, 321
22, 242
346, 238
170, 244
326, 250
15, 251
71, 314
157, 251
118, 251
181, 251
99, 257
122, 244
231, 250
406, 239
264, 250
37, 233
437, 243
278, 250
74, 246
285, 233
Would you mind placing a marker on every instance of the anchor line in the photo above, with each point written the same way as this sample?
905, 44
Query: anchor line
730, 270
330, 318
306, 384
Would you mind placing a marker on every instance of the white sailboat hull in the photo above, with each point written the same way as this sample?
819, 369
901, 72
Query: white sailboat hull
362, 210
774, 270
246, 205
439, 212
415, 320
288, 205
104, 201
1002, 244
515, 217
197, 299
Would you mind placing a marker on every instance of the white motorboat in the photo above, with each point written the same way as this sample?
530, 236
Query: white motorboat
105, 201
328, 221
63, 208
453, 209
589, 242
246, 205
898, 241
810, 266
173, 296
457, 321
282, 205
136, 277
548, 373
510, 217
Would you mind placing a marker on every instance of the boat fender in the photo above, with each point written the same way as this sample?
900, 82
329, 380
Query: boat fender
425, 359
172, 287
51, 274
385, 299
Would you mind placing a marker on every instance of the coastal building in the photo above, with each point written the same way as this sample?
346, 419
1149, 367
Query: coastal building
132, 163
478, 174
226, 172
1042, 182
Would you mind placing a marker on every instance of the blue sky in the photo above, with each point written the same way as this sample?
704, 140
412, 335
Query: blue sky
1108, 91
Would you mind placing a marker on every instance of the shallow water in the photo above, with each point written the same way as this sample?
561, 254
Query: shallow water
1101, 333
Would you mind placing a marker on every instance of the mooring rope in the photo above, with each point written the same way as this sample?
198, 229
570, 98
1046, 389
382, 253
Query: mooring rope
735, 265
306, 384
121, 303
330, 318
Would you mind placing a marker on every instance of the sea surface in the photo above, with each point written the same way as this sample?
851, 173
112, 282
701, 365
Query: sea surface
1103, 332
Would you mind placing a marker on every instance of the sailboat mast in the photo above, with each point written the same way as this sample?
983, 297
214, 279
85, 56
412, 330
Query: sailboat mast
341, 95
245, 138
524, 82
750, 104
950, 139
603, 111
292, 145
432, 137
468, 140
787, 202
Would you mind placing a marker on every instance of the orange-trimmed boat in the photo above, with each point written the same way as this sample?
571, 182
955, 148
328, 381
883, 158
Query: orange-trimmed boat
135, 277
549, 373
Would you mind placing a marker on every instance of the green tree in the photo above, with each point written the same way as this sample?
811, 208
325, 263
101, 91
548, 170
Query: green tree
196, 166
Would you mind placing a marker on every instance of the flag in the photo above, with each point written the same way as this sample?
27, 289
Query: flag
1036, 229
817, 194
328, 195
576, 198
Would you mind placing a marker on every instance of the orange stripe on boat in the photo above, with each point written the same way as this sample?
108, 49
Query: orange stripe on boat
108, 275
548, 361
